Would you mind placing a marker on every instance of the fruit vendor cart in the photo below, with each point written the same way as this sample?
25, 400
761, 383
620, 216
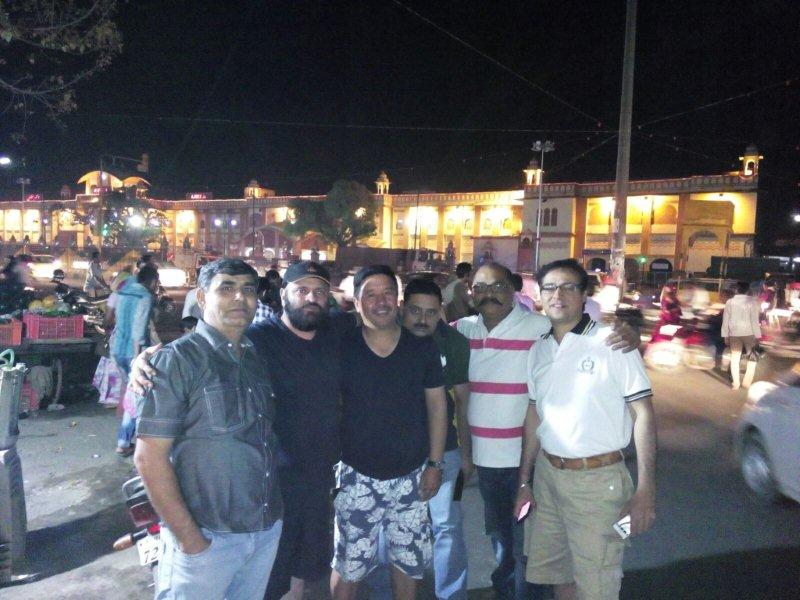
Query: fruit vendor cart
51, 342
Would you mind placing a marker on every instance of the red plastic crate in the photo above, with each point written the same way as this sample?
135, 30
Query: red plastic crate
38, 327
11, 333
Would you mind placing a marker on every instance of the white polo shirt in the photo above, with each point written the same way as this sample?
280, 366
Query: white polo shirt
581, 388
498, 374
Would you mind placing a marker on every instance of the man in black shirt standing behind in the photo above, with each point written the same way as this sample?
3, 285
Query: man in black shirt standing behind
393, 418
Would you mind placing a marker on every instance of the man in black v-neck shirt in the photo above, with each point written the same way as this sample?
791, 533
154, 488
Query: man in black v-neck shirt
393, 416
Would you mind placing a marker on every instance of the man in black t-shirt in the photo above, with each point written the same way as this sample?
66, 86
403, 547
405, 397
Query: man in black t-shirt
393, 417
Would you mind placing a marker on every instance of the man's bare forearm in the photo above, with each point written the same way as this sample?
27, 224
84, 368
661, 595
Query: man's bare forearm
461, 393
437, 421
164, 492
530, 444
645, 441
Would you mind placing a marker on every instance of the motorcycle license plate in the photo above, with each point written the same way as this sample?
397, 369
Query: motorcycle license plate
148, 548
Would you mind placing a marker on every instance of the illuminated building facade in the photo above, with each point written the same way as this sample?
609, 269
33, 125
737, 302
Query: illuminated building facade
671, 223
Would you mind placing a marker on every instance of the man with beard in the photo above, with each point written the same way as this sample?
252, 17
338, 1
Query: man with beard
301, 350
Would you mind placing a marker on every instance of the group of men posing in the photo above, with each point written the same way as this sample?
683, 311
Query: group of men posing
242, 427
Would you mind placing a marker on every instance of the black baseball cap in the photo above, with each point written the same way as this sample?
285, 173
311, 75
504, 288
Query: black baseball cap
306, 268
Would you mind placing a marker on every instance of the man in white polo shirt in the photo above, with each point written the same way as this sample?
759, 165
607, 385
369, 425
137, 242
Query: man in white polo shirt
586, 401
501, 336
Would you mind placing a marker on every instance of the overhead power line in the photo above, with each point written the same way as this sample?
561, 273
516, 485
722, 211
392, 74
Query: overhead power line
498, 64
265, 123
784, 82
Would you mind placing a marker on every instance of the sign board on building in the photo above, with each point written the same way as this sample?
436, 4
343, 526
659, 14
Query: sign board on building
33, 197
199, 196
101, 189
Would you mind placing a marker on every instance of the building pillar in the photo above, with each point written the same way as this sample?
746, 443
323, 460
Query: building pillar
440, 243
644, 246
679, 261
579, 227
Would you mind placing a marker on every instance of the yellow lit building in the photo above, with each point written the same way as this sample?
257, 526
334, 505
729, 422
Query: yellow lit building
672, 223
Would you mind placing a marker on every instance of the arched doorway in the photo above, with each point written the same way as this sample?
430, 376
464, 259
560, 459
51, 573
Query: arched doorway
597, 264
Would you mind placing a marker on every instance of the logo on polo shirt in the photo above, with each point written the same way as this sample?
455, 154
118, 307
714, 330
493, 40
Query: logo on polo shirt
444, 360
587, 365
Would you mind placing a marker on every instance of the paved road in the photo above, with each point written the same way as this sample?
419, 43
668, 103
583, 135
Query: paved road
711, 539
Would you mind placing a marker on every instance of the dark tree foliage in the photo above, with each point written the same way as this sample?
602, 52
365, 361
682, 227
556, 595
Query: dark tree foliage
346, 215
47, 47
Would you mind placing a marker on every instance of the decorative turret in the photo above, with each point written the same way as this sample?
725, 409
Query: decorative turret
533, 174
382, 183
750, 161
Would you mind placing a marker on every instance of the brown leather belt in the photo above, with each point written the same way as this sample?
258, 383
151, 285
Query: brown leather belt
582, 464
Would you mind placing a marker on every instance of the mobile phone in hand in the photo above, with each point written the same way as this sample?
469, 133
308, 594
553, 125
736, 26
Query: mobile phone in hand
623, 527
523, 512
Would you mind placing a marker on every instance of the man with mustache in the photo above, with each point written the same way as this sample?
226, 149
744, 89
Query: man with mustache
501, 336
301, 351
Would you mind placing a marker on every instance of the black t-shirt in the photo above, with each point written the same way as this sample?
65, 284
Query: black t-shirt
385, 418
305, 375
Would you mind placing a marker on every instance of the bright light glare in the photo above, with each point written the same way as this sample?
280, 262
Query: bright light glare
758, 390
796, 218
170, 277
234, 222
218, 222
136, 221
5, 161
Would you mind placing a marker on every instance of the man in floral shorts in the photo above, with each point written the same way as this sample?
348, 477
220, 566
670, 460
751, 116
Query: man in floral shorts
393, 438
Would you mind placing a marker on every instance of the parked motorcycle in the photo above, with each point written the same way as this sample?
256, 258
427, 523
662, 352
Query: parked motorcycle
147, 533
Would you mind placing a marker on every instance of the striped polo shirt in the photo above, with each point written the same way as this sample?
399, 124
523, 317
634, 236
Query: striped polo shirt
498, 378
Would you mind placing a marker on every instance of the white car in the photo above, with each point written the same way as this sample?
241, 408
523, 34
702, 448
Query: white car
43, 265
768, 439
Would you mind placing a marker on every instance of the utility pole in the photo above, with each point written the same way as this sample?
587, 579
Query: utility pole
542, 147
623, 151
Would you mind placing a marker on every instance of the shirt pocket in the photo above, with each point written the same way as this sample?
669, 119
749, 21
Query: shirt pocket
224, 406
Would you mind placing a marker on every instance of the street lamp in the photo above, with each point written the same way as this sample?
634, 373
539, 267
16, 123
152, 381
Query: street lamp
796, 217
539, 146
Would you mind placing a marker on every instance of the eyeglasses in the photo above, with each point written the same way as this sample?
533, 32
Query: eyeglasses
551, 288
497, 287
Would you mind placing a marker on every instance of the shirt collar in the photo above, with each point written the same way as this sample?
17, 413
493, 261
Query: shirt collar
216, 339
584, 326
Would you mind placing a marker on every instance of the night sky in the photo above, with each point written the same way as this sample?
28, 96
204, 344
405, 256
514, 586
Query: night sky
298, 94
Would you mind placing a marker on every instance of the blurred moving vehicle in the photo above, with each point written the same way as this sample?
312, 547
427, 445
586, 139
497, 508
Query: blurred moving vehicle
767, 438
42, 266
690, 344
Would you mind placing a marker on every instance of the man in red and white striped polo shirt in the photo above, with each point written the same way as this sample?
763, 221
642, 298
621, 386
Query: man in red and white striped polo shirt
501, 337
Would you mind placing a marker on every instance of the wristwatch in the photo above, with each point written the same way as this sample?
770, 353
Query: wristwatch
436, 464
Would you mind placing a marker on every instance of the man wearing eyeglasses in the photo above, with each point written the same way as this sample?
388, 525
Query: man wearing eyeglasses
501, 336
586, 401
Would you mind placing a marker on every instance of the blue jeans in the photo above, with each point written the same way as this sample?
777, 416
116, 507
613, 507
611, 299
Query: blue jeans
498, 487
236, 566
127, 427
126, 430
449, 548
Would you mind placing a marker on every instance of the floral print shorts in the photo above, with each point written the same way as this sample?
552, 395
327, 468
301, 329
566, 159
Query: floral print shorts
364, 508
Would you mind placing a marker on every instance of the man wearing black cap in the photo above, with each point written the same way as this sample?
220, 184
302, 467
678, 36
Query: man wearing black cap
301, 349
